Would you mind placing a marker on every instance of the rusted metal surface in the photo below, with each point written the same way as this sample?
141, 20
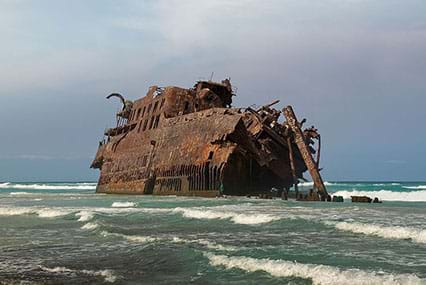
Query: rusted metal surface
177, 141
300, 139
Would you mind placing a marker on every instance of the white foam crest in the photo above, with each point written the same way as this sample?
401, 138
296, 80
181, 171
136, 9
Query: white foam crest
132, 238
150, 239
206, 243
76, 186
253, 219
15, 211
85, 216
142, 239
418, 187
41, 212
52, 212
310, 183
19, 193
57, 269
386, 195
90, 226
123, 204
245, 219
387, 183
395, 232
106, 274
319, 274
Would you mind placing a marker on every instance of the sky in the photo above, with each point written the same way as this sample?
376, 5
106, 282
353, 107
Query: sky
356, 69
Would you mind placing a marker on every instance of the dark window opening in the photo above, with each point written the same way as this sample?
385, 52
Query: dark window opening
186, 108
145, 124
138, 114
155, 107
210, 155
149, 108
143, 112
157, 120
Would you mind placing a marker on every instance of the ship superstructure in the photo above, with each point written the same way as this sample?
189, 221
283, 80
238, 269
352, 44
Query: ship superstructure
178, 141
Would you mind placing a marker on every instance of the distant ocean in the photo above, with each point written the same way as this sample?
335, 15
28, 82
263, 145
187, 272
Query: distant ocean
64, 233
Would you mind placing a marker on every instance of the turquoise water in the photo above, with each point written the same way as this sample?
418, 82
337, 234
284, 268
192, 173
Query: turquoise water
63, 233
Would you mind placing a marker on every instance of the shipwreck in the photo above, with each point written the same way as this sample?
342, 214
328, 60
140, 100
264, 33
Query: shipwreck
192, 142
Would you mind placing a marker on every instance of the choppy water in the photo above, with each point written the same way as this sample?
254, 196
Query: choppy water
63, 233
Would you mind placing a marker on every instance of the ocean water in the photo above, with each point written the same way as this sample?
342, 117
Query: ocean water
64, 233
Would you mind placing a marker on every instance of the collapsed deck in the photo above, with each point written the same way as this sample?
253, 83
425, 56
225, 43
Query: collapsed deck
177, 141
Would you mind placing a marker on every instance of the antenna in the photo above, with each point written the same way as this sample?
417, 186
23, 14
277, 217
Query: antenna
211, 77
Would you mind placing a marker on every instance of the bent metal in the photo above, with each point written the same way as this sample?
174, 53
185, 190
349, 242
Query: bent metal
191, 142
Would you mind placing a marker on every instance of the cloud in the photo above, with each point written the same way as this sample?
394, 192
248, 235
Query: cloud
354, 68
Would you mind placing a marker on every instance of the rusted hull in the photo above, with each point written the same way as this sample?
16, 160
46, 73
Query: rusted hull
137, 188
189, 142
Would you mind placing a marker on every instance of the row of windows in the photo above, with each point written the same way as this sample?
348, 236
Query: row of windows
135, 114
149, 123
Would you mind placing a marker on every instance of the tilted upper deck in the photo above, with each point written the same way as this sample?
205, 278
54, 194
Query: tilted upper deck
167, 102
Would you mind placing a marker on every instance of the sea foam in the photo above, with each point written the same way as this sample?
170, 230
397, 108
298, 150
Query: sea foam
208, 244
76, 186
150, 239
310, 183
418, 187
90, 226
386, 195
392, 232
132, 238
19, 193
41, 212
245, 219
123, 204
106, 274
319, 274
84, 216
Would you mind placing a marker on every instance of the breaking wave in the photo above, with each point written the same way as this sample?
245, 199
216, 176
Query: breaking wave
133, 238
310, 183
237, 218
19, 193
208, 244
41, 212
68, 186
419, 187
319, 274
388, 183
123, 204
395, 232
90, 226
150, 239
106, 274
84, 216
386, 195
